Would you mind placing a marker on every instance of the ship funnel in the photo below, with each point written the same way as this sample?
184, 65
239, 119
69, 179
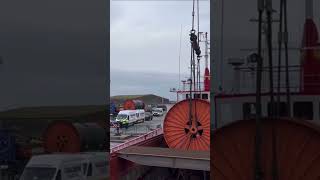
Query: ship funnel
310, 59
207, 79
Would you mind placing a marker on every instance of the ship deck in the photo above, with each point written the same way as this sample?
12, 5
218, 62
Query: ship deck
166, 157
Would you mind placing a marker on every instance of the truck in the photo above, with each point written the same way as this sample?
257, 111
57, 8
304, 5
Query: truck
113, 109
9, 163
7, 147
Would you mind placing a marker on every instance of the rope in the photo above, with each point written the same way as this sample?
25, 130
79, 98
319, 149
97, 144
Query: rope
191, 65
191, 70
280, 41
198, 57
199, 77
198, 14
269, 42
286, 57
257, 171
195, 48
198, 63
190, 93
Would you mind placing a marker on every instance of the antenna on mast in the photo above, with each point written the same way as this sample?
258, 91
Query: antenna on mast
309, 9
180, 58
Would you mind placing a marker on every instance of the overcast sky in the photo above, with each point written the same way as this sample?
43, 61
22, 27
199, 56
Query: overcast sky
145, 41
145, 38
54, 52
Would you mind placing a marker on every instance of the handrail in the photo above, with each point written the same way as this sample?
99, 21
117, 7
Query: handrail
137, 140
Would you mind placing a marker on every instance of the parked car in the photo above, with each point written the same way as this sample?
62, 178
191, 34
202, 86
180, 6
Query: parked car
164, 107
149, 116
157, 112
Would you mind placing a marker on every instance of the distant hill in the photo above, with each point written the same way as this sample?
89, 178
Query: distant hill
33, 121
146, 98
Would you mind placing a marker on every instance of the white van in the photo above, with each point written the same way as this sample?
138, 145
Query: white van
126, 118
130, 117
141, 115
87, 166
98, 165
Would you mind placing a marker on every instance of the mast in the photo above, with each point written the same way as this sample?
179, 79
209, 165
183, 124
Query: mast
206, 71
221, 46
309, 9
286, 57
258, 174
206, 50
180, 58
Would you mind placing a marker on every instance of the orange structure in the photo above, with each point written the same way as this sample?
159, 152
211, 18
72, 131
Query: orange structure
181, 132
133, 104
296, 150
64, 136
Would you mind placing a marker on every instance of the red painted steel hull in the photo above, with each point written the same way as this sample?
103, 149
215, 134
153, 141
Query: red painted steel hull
120, 167
297, 149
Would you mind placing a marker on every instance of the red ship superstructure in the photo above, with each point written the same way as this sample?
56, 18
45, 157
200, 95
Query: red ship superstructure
310, 62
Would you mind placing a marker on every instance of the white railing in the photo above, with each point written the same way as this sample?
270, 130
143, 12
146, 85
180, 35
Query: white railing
245, 80
137, 140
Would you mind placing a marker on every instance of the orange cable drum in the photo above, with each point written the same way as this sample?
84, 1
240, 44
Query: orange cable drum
133, 104
179, 133
61, 136
297, 150
65, 136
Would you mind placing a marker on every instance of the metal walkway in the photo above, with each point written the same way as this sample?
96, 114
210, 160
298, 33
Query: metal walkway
165, 157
